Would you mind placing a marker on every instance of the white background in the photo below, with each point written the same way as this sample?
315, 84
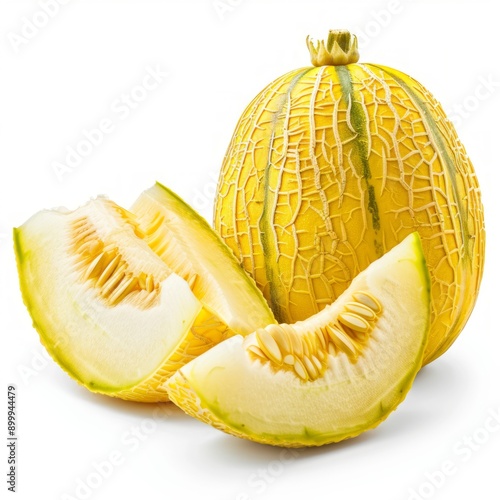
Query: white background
71, 74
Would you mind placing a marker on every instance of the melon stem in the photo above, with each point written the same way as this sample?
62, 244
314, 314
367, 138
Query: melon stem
340, 48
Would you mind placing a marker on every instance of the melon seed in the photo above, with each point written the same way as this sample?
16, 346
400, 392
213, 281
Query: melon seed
192, 280
108, 271
269, 345
368, 300
339, 336
113, 282
300, 370
155, 224
320, 336
311, 369
83, 234
95, 267
317, 363
257, 351
126, 286
361, 310
150, 284
294, 338
354, 322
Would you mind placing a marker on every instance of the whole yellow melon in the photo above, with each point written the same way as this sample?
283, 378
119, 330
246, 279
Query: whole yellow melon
331, 166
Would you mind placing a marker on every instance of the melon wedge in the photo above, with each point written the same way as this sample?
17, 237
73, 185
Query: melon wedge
108, 309
192, 249
325, 379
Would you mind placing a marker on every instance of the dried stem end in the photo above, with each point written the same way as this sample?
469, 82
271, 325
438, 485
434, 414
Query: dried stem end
340, 48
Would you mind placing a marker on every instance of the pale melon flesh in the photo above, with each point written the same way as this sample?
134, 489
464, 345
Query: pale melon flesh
325, 379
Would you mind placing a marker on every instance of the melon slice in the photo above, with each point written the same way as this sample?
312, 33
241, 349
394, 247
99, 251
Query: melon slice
192, 249
325, 379
108, 309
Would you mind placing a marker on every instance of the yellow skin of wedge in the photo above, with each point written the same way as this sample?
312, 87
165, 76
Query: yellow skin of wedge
263, 399
331, 166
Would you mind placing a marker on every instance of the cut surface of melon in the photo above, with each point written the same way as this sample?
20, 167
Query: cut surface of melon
107, 308
192, 249
325, 379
